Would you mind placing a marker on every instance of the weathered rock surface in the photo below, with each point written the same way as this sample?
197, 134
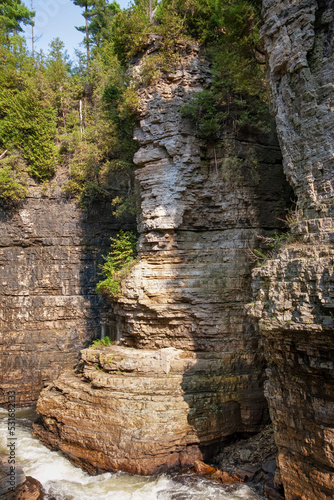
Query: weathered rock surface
298, 36
11, 475
49, 252
295, 303
294, 291
148, 410
192, 367
253, 459
14, 485
30, 490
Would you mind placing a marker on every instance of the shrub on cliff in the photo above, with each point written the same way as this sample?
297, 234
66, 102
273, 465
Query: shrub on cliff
29, 126
53, 113
238, 95
28, 122
12, 177
229, 32
96, 133
117, 263
83, 117
104, 342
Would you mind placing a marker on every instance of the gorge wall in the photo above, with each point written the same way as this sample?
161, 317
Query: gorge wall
294, 291
49, 252
187, 370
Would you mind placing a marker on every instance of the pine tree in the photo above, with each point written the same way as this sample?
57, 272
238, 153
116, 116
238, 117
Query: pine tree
87, 5
97, 14
12, 14
101, 19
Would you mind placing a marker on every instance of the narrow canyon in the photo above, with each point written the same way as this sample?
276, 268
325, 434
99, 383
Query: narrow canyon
209, 346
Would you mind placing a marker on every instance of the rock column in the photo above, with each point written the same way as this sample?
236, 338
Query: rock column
294, 298
188, 369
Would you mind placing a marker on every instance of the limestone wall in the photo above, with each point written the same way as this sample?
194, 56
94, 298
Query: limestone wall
294, 291
49, 249
188, 370
298, 37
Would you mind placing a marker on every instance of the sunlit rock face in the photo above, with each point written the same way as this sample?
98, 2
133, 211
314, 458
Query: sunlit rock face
188, 368
293, 293
49, 253
145, 411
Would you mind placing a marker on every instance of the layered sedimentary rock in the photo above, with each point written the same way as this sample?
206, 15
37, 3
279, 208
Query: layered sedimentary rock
49, 250
14, 485
188, 368
143, 411
294, 291
294, 295
298, 37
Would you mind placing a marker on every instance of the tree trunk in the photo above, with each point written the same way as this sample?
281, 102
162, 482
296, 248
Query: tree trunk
87, 32
82, 126
150, 11
32, 35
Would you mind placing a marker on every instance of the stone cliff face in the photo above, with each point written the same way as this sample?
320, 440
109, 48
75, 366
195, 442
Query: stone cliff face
49, 250
294, 291
298, 37
188, 368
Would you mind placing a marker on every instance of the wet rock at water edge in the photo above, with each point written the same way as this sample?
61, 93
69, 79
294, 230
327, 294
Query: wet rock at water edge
14, 485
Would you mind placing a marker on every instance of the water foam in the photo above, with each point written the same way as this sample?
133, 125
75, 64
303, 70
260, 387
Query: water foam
63, 481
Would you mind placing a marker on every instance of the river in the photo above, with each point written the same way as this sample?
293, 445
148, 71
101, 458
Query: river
63, 481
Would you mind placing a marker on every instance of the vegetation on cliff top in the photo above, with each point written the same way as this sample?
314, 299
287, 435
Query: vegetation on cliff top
80, 117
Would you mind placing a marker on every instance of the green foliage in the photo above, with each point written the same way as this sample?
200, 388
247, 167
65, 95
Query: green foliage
29, 126
82, 117
56, 73
12, 178
230, 32
131, 30
238, 95
101, 20
104, 342
87, 5
98, 17
198, 17
132, 33
98, 147
117, 263
13, 13
293, 217
270, 246
54, 113
28, 122
203, 111
176, 23
124, 206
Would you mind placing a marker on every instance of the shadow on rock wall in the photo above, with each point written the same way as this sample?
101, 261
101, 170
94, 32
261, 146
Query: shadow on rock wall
49, 255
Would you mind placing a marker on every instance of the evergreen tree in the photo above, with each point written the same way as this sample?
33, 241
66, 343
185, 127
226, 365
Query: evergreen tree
101, 20
28, 122
12, 14
97, 15
87, 5
57, 70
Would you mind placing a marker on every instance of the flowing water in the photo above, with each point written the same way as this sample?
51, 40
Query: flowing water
63, 481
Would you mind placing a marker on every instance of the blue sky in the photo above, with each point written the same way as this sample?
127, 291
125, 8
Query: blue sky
58, 18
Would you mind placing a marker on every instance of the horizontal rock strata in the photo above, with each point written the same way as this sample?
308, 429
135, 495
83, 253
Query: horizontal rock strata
296, 305
49, 253
298, 37
143, 411
201, 208
294, 291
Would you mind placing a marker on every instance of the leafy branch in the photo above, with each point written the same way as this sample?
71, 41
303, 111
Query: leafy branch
117, 263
